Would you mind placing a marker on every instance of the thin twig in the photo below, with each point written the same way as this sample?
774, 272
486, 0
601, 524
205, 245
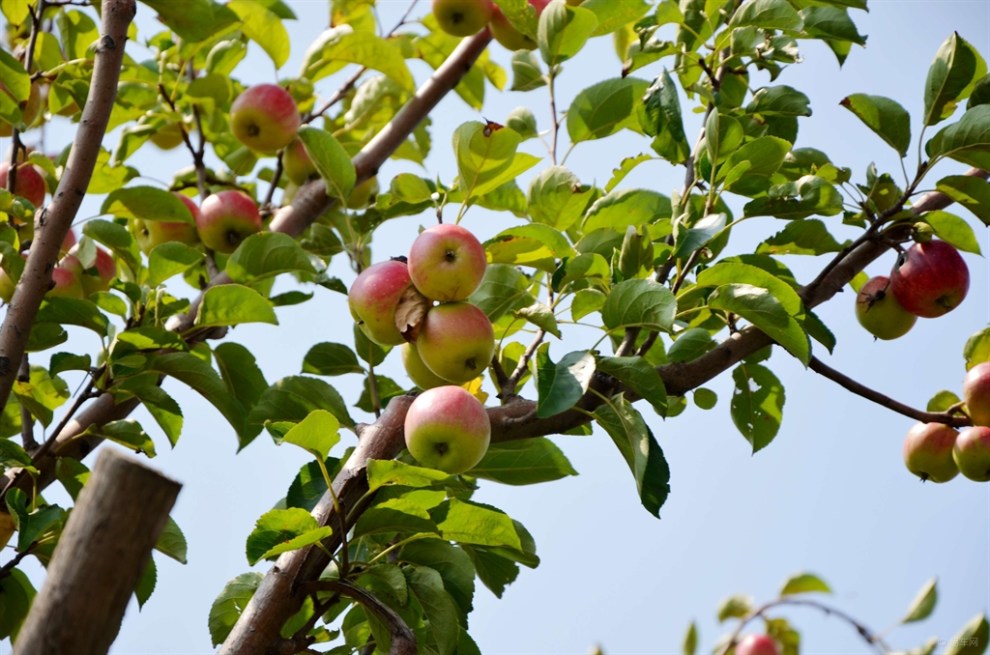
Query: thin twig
403, 639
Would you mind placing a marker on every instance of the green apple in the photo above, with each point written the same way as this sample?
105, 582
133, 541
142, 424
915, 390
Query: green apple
448, 429
226, 218
29, 183
265, 118
879, 312
418, 371
373, 298
976, 393
297, 163
972, 453
169, 136
462, 17
149, 234
456, 341
446, 262
757, 645
928, 451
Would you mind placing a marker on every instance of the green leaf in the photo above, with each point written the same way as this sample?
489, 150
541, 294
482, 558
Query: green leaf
557, 198
292, 399
383, 473
804, 583
243, 377
265, 254
17, 593
622, 208
942, 401
967, 141
533, 244
604, 108
330, 359
972, 639
780, 100
527, 461
888, 119
767, 14
453, 565
169, 259
971, 192
690, 644
614, 15
542, 317
951, 77
172, 542
316, 434
193, 20
162, 407
757, 404
923, 604
807, 237
639, 377
763, 309
227, 607
495, 571
438, 607
340, 45
233, 304
561, 385
281, 530
264, 28
737, 272
147, 203
954, 230
471, 523
758, 158
734, 607
833, 26
41, 394
660, 117
487, 157
146, 583
503, 289
331, 160
127, 433
639, 448
563, 31
977, 348
72, 311
639, 303
16, 11
526, 72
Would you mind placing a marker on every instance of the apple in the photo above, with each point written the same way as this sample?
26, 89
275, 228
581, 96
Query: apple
972, 453
508, 36
67, 242
7, 283
930, 279
446, 262
448, 429
417, 370
149, 234
265, 118
462, 17
66, 283
456, 341
96, 277
879, 312
373, 298
976, 393
29, 183
169, 136
757, 645
225, 219
928, 451
297, 163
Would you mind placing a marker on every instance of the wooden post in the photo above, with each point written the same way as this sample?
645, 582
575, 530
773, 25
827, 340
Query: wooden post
99, 559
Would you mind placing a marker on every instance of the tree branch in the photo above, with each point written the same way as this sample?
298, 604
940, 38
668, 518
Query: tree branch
403, 639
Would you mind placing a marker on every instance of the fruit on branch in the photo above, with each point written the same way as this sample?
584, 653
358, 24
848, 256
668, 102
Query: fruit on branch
446, 262
456, 341
96, 276
462, 17
29, 184
757, 645
972, 453
66, 283
417, 370
149, 234
225, 219
447, 428
30, 109
167, 137
297, 163
928, 451
508, 36
67, 242
373, 298
265, 118
879, 312
930, 279
976, 393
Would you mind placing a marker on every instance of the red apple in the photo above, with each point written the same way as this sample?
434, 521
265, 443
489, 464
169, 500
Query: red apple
67, 242
149, 234
29, 184
418, 371
297, 163
446, 262
930, 279
95, 277
972, 453
976, 393
373, 298
456, 341
447, 428
508, 36
66, 283
265, 118
879, 312
757, 645
225, 219
462, 17
928, 451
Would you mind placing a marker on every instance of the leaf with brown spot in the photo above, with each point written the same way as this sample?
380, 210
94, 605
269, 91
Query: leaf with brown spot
409, 312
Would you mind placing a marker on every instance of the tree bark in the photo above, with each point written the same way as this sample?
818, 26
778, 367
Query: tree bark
99, 559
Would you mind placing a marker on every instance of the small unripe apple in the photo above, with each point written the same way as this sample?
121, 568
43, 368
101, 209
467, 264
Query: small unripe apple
757, 645
418, 371
930, 279
226, 218
928, 451
448, 429
29, 184
879, 312
508, 36
149, 234
976, 393
265, 118
373, 298
167, 137
446, 262
297, 163
462, 17
972, 453
456, 341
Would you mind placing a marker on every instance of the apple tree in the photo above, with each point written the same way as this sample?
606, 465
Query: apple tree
599, 308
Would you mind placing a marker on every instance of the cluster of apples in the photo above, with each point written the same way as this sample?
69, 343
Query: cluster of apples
929, 280
421, 303
937, 452
467, 17
221, 223
71, 277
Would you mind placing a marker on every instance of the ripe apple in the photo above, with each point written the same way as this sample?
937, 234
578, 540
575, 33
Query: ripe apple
972, 453
928, 451
149, 234
225, 219
508, 36
757, 645
879, 312
297, 163
373, 298
417, 370
456, 341
66, 283
976, 393
462, 17
930, 279
446, 262
265, 118
447, 428
95, 278
29, 184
